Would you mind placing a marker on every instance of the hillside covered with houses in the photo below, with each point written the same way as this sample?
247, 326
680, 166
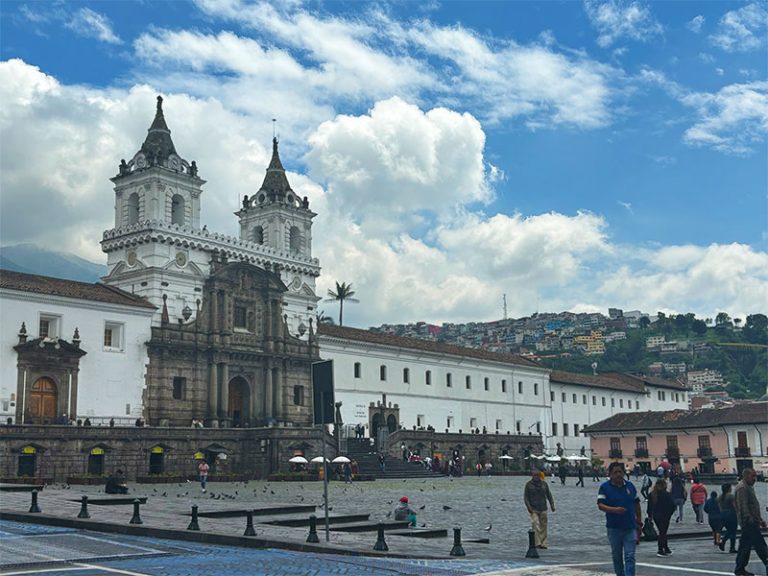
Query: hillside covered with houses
719, 358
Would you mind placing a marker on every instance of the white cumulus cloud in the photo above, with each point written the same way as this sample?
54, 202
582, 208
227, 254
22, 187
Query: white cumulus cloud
91, 24
616, 19
742, 30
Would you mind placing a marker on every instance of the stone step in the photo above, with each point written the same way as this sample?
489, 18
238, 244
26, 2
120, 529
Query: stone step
112, 500
332, 519
20, 487
370, 526
279, 510
420, 532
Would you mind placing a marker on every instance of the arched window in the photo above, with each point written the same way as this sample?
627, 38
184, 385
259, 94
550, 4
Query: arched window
258, 235
177, 210
295, 240
133, 208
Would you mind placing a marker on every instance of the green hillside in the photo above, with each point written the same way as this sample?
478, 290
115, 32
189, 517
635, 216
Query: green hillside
740, 354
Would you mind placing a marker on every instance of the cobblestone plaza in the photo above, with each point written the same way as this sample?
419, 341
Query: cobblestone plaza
489, 508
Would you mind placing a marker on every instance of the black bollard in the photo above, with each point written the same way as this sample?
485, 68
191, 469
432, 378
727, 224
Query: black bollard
84, 508
312, 537
532, 552
380, 545
193, 525
34, 509
457, 549
136, 518
249, 531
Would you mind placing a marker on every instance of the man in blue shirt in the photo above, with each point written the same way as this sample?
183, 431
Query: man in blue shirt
618, 499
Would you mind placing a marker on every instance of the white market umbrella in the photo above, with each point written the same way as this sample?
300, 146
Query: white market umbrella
506, 457
298, 460
552, 458
537, 457
318, 460
339, 460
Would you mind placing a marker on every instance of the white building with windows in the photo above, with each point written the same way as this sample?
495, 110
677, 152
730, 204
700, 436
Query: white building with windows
453, 388
89, 355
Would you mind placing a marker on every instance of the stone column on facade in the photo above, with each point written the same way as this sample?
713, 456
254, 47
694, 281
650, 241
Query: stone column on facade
214, 307
268, 323
213, 395
224, 382
278, 378
268, 398
21, 393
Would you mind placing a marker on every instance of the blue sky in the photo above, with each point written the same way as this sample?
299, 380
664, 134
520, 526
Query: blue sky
573, 155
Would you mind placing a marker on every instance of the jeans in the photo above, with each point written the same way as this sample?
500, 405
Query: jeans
680, 503
750, 538
623, 543
730, 524
698, 509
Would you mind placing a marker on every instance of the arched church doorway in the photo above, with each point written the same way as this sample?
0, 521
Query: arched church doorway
391, 423
375, 425
42, 401
239, 402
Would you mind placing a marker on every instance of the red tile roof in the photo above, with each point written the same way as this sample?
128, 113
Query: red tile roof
748, 413
599, 381
69, 289
647, 380
346, 333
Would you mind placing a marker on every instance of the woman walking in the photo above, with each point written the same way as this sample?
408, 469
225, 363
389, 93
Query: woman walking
660, 508
698, 497
712, 508
679, 495
727, 505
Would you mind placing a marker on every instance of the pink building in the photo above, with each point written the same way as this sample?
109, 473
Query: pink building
714, 440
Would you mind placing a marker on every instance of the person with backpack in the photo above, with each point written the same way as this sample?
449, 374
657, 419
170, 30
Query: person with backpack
661, 507
715, 519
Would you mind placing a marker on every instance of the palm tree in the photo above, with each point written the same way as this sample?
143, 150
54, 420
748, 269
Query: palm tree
323, 318
343, 292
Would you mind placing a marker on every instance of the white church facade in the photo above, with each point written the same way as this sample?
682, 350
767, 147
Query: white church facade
192, 323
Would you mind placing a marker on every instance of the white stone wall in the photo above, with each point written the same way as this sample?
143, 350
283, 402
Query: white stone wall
437, 402
111, 382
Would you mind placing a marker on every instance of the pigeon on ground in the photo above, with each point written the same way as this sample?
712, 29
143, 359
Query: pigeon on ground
424, 525
422, 507
389, 514
164, 494
488, 529
446, 507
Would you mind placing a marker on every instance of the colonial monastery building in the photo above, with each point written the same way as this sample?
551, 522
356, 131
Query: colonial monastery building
192, 324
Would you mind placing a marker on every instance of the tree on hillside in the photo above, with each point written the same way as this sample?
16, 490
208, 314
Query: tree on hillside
756, 329
644, 322
342, 293
699, 327
721, 318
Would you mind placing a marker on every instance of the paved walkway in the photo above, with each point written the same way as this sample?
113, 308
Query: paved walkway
578, 544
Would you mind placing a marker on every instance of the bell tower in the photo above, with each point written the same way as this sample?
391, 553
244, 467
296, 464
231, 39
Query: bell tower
157, 201
276, 219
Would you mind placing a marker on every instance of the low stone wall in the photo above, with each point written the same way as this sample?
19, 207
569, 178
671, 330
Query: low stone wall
474, 447
60, 452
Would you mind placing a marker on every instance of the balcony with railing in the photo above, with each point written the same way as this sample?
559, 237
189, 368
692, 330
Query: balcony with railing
673, 452
743, 452
641, 452
704, 452
614, 453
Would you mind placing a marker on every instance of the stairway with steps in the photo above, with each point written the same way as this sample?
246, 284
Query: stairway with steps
368, 463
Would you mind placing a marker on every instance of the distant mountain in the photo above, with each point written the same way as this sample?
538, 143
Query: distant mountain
32, 259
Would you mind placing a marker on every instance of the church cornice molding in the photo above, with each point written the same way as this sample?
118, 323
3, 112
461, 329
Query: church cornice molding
187, 237
37, 298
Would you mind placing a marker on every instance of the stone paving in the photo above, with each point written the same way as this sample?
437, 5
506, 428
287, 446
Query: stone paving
577, 535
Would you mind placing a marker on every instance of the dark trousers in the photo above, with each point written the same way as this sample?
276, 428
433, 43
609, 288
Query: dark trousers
662, 526
581, 481
750, 538
730, 524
